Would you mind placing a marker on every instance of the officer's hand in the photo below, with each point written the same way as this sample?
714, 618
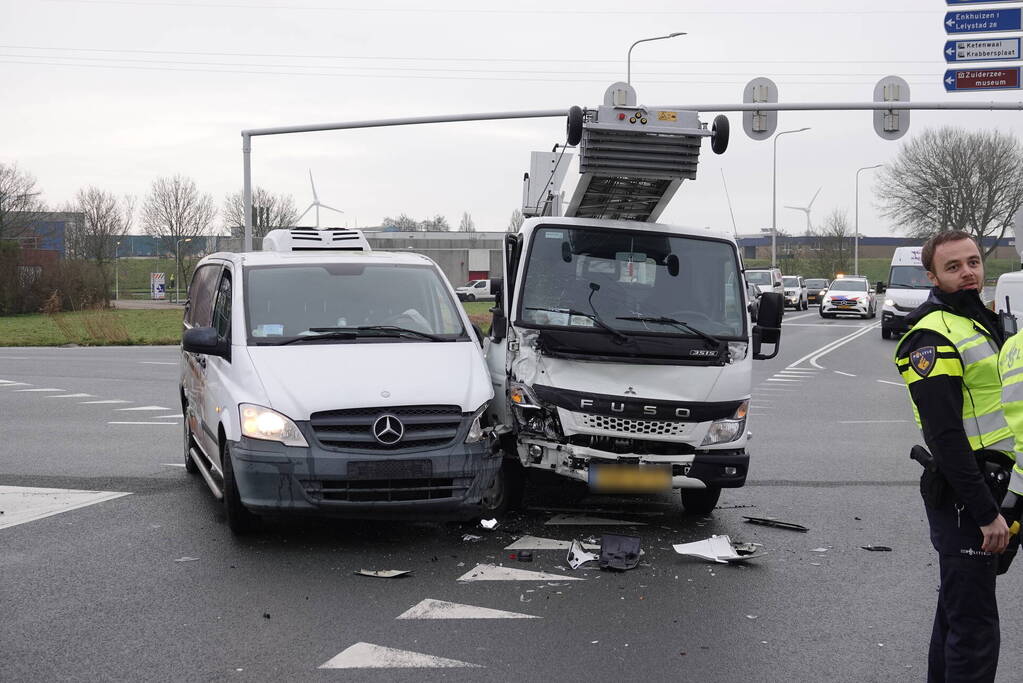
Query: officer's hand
996, 535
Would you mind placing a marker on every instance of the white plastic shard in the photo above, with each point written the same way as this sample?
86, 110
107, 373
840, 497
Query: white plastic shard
540, 543
440, 609
488, 524
719, 549
370, 656
384, 573
569, 520
492, 572
26, 504
577, 557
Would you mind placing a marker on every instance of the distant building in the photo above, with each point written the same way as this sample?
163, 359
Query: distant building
759, 246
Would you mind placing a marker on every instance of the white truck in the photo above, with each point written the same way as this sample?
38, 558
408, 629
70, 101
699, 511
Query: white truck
621, 350
907, 288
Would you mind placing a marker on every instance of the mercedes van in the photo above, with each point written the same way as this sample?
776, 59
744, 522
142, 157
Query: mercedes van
319, 376
907, 288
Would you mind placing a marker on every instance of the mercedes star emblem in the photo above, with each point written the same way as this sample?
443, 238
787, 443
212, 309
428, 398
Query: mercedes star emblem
388, 430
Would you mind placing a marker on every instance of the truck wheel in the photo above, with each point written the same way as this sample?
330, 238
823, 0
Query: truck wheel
239, 519
190, 465
505, 492
574, 126
700, 501
885, 333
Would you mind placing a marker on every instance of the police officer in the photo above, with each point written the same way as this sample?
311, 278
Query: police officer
949, 361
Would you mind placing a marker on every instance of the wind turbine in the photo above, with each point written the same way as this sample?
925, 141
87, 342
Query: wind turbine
316, 203
806, 209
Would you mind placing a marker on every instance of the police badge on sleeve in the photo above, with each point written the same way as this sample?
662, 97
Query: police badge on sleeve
922, 360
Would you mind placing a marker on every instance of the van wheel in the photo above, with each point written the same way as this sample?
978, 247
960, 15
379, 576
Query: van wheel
700, 501
470, 297
239, 519
505, 492
189, 442
886, 333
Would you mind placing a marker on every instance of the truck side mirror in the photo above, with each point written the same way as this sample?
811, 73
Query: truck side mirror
496, 287
768, 327
498, 324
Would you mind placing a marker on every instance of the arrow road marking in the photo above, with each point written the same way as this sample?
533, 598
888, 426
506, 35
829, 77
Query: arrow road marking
370, 656
440, 609
26, 504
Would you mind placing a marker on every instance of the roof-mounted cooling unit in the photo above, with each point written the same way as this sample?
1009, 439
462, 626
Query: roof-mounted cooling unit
309, 239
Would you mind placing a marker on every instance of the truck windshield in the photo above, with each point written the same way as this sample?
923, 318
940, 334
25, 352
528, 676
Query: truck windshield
297, 300
759, 277
617, 274
908, 277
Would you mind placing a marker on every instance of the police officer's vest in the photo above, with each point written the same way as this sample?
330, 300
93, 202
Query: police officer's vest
973, 355
1010, 367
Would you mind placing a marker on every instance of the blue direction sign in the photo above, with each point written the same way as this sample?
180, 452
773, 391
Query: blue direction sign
983, 50
982, 21
1001, 78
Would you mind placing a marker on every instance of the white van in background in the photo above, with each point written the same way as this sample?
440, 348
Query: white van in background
1010, 285
907, 288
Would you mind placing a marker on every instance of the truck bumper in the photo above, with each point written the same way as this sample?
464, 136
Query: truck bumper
445, 483
893, 322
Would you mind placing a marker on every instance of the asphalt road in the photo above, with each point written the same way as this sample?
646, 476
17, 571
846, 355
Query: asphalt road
152, 586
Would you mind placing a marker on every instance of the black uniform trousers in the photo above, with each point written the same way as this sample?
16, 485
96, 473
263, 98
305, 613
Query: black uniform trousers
965, 639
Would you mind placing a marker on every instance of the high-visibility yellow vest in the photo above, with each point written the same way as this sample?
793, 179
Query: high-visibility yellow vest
973, 355
1010, 369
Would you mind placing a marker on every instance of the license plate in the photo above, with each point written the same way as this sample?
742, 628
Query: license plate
629, 478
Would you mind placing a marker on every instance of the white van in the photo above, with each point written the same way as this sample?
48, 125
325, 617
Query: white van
321, 377
907, 288
1010, 285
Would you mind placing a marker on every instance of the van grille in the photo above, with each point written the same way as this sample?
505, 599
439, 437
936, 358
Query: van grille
425, 427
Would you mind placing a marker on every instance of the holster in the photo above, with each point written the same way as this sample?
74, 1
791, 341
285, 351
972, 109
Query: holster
934, 488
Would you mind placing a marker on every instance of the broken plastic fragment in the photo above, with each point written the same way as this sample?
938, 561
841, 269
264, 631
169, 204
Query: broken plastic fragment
488, 524
471, 538
877, 548
765, 521
577, 557
619, 552
186, 559
384, 573
720, 549
819, 550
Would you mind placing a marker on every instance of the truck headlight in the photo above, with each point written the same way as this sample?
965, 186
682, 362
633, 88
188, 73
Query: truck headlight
729, 429
521, 396
269, 425
476, 433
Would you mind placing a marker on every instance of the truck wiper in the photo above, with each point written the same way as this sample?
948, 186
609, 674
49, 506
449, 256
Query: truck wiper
590, 316
677, 323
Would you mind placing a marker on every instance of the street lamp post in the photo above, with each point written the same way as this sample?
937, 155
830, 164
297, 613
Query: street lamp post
177, 267
856, 239
628, 56
774, 197
117, 284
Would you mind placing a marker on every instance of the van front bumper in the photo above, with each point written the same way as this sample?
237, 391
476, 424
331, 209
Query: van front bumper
444, 483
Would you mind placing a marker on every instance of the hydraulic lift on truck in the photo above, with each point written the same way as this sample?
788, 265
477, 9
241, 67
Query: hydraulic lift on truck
621, 350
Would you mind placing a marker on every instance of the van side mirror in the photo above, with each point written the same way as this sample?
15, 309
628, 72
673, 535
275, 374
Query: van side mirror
880, 288
205, 340
768, 327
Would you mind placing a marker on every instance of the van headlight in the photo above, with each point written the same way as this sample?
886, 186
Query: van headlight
729, 429
269, 425
889, 302
476, 433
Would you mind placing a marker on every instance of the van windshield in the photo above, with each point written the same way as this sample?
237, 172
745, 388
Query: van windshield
759, 277
908, 277
590, 279
289, 301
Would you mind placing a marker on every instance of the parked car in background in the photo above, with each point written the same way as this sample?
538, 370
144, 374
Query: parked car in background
475, 290
766, 280
795, 292
815, 289
849, 295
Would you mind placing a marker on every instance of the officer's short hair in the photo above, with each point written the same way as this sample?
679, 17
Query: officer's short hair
927, 253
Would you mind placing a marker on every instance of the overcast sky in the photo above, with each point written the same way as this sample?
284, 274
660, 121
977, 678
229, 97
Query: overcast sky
116, 93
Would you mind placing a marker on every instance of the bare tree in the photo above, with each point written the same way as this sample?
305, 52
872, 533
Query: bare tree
467, 224
269, 212
516, 221
404, 223
438, 223
20, 204
954, 179
104, 220
831, 248
175, 210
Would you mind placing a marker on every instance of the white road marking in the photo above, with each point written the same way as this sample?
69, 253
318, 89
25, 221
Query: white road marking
823, 325
493, 572
370, 656
816, 354
167, 417
589, 521
14, 384
782, 379
895, 384
23, 504
114, 400
48, 389
142, 423
173, 464
15, 358
540, 543
439, 609
144, 408
797, 373
798, 317
155, 362
868, 422
839, 372
71, 396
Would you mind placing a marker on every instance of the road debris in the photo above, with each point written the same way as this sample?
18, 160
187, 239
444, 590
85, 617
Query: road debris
619, 552
384, 573
819, 550
186, 559
577, 556
540, 543
877, 548
525, 555
777, 523
471, 538
720, 549
488, 524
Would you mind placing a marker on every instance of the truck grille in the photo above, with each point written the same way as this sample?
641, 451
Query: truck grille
425, 427
629, 426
